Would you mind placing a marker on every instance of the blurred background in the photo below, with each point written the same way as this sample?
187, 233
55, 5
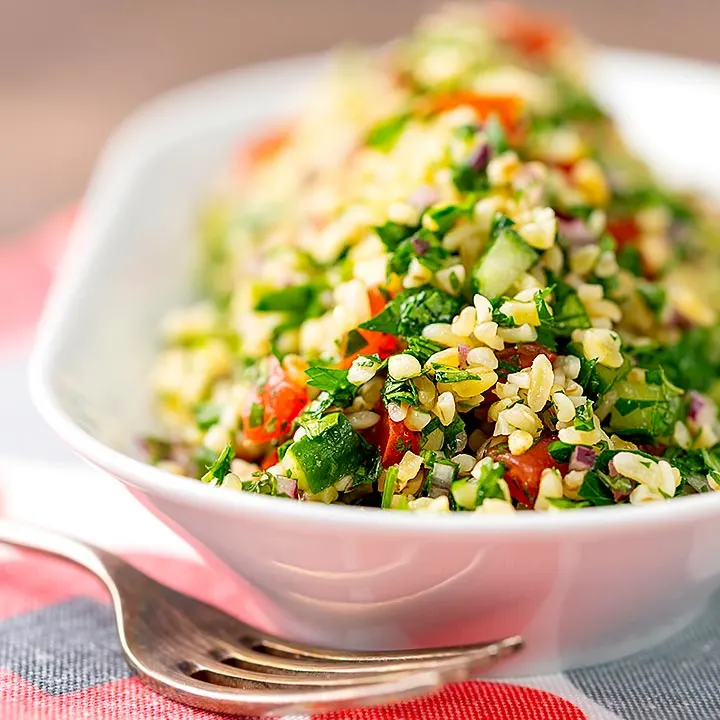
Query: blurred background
70, 70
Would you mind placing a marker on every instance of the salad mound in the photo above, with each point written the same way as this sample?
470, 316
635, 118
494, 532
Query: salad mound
446, 285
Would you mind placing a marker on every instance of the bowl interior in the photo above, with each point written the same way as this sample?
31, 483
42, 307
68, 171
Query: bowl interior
132, 254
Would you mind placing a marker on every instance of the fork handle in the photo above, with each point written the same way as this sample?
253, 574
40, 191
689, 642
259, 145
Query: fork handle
99, 562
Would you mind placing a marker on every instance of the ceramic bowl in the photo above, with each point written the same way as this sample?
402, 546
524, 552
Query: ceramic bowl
581, 586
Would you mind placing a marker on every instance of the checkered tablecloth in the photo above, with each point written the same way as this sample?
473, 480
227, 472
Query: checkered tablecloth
59, 657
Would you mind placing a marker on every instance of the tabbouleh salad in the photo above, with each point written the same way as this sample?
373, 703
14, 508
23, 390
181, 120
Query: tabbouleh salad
446, 285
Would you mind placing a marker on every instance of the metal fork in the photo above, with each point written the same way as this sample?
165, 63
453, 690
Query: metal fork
198, 655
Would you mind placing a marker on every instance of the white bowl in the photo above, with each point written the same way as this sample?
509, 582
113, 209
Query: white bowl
580, 586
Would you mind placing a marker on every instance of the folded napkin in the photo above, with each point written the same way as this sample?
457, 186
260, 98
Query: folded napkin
59, 656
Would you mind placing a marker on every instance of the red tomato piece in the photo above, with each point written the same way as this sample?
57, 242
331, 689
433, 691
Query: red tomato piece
263, 146
624, 230
522, 472
376, 343
281, 401
269, 460
522, 356
532, 35
393, 439
506, 107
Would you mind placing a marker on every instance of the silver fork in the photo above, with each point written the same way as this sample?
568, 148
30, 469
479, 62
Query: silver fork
198, 655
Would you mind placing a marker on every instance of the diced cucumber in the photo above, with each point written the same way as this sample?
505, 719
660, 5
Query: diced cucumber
506, 258
464, 493
642, 407
331, 450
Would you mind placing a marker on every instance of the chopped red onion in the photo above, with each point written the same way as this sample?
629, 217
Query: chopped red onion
420, 246
463, 351
582, 458
424, 197
287, 486
612, 470
698, 406
575, 232
479, 158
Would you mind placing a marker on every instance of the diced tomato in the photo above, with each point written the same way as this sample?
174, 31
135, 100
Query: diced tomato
532, 35
522, 472
522, 356
624, 230
269, 460
281, 401
506, 107
376, 343
394, 439
378, 301
263, 146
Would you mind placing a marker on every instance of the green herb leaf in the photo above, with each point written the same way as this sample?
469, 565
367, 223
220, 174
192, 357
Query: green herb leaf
422, 348
488, 485
392, 234
594, 490
443, 218
220, 467
400, 391
584, 418
629, 259
428, 305
560, 451
386, 133
391, 476
206, 415
693, 363
625, 405
447, 374
355, 342
334, 382
496, 135
653, 295
297, 298
257, 415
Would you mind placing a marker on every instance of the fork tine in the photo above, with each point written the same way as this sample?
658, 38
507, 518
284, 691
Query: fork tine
216, 698
308, 674
406, 662
278, 647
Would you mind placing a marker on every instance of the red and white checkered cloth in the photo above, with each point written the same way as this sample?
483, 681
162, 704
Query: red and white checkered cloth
59, 657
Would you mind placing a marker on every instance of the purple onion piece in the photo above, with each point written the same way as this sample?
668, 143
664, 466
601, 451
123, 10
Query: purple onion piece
575, 232
424, 197
287, 486
612, 470
463, 351
698, 406
420, 246
479, 158
582, 458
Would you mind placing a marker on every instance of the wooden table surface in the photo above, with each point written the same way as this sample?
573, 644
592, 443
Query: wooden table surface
70, 70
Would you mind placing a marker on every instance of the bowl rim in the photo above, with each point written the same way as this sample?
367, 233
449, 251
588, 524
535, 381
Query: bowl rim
127, 150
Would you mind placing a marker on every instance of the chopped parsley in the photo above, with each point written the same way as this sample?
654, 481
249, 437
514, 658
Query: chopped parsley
422, 348
386, 133
220, 467
257, 415
446, 374
595, 491
392, 234
584, 418
400, 391
206, 415
410, 312
334, 382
